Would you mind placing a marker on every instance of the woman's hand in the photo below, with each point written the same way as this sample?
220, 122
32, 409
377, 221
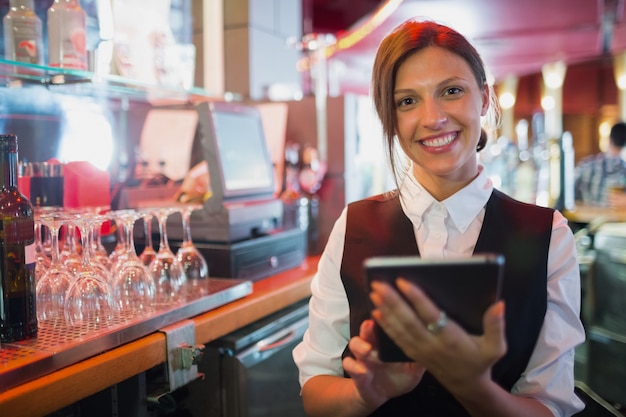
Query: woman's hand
458, 360
376, 381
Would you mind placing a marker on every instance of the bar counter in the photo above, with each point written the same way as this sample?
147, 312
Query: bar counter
46, 394
585, 214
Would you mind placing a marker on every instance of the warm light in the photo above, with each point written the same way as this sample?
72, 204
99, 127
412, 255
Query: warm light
356, 35
604, 130
619, 68
87, 136
507, 100
547, 103
554, 74
348, 38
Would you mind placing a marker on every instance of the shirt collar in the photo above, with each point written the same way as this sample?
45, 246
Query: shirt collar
463, 206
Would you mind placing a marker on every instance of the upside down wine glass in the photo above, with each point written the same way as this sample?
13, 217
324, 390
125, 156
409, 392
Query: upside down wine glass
148, 254
54, 283
166, 271
133, 286
189, 257
120, 247
89, 298
43, 259
69, 249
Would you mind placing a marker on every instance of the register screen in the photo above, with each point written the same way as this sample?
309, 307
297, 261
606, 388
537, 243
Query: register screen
243, 151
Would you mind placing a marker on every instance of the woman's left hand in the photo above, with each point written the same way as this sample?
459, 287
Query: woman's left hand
455, 358
376, 381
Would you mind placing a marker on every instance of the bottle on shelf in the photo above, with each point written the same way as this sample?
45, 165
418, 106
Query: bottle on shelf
295, 203
18, 310
23, 40
525, 173
311, 175
67, 41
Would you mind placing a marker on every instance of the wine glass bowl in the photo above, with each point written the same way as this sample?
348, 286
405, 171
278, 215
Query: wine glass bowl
193, 263
89, 299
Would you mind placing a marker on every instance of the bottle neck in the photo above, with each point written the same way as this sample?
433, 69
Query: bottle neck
8, 169
22, 4
67, 3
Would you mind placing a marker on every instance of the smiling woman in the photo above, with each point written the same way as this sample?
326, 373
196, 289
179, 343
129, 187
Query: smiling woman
430, 92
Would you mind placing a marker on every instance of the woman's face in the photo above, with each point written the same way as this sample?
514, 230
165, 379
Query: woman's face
438, 109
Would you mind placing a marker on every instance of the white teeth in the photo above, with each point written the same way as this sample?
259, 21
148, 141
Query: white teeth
442, 141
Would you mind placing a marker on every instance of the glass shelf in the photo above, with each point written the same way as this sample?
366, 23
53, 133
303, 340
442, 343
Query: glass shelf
86, 83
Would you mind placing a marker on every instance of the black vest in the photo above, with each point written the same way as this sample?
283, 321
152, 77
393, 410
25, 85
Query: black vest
377, 226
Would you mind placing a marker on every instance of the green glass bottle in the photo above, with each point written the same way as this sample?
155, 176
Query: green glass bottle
18, 310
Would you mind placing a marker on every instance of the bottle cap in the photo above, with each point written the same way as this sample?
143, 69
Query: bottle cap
8, 143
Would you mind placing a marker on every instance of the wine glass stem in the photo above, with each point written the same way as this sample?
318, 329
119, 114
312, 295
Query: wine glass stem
70, 238
186, 214
130, 242
147, 225
84, 239
38, 232
120, 233
163, 243
54, 243
97, 238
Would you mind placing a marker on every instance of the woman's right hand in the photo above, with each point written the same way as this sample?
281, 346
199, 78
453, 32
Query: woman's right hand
376, 381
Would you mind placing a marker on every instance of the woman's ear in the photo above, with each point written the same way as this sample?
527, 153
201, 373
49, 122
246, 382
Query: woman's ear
486, 94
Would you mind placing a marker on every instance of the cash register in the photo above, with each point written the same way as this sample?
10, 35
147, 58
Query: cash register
238, 229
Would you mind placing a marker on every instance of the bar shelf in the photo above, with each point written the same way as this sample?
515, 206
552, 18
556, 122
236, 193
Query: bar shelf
15, 74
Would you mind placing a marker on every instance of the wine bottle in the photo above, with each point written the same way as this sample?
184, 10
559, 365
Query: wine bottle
23, 40
18, 311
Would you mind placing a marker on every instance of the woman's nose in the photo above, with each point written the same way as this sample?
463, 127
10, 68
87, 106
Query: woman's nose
433, 116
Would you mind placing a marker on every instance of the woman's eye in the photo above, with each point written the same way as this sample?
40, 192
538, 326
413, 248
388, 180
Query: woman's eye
452, 91
407, 101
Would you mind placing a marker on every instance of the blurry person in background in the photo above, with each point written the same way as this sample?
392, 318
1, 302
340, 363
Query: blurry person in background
430, 90
600, 179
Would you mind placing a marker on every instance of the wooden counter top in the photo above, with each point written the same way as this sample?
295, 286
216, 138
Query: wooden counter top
59, 389
588, 214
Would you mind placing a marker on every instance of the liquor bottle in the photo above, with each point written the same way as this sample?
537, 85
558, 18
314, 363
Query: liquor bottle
67, 30
23, 40
18, 311
311, 175
295, 204
525, 173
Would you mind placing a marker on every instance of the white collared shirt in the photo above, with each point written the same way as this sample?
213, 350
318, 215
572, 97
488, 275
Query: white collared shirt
452, 227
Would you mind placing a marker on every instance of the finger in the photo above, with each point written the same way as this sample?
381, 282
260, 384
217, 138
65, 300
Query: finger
354, 368
426, 309
361, 349
366, 331
391, 311
494, 330
388, 302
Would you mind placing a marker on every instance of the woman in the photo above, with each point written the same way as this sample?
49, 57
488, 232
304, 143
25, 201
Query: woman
431, 94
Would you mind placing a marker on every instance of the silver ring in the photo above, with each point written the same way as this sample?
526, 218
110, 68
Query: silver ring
439, 324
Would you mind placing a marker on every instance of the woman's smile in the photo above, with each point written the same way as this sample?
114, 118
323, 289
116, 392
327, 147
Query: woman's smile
439, 141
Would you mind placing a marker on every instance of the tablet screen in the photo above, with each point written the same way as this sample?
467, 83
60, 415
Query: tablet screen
462, 287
